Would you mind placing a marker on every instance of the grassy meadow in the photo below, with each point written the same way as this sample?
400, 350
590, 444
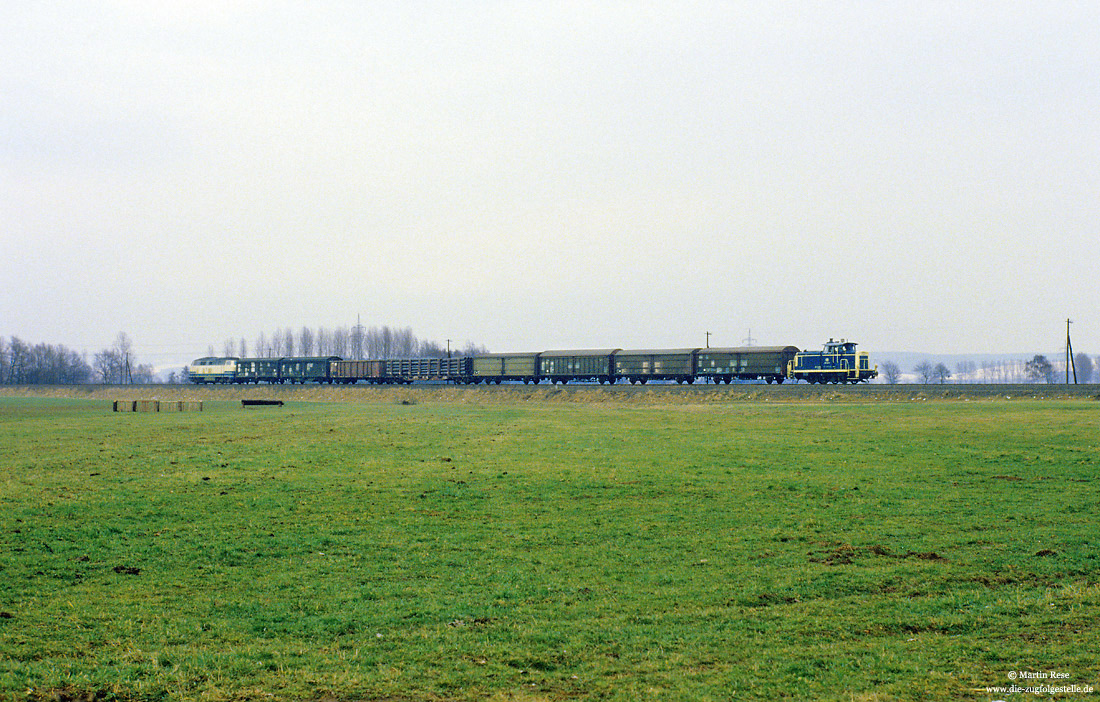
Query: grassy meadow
547, 551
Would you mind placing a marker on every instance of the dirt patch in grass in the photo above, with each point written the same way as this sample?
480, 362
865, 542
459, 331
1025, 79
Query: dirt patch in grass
845, 554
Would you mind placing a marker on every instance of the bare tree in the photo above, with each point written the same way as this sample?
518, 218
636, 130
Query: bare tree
276, 344
1040, 369
143, 374
925, 371
941, 373
108, 366
341, 343
403, 343
472, 349
242, 348
124, 347
891, 373
356, 340
431, 349
17, 352
965, 370
305, 341
1084, 367
262, 349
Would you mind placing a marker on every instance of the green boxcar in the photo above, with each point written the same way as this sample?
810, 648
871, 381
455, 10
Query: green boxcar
586, 364
498, 367
642, 365
258, 370
745, 363
312, 369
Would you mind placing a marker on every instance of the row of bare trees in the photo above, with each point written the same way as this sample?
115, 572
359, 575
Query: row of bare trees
24, 363
1039, 369
347, 342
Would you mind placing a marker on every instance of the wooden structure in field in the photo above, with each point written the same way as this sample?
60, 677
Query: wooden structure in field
157, 406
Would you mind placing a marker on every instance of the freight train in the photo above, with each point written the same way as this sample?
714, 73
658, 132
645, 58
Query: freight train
837, 362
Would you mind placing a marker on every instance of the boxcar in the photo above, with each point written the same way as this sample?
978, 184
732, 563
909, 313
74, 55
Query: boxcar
642, 365
498, 367
354, 371
258, 370
586, 364
312, 369
723, 365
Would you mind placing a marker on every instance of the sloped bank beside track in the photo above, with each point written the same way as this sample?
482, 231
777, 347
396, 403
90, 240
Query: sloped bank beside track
624, 394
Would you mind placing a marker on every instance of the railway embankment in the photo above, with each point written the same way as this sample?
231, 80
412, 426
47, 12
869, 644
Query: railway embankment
621, 393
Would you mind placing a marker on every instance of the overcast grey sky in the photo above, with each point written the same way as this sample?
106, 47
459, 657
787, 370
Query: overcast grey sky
920, 176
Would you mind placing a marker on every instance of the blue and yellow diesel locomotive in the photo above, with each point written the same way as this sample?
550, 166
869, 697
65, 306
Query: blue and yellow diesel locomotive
837, 362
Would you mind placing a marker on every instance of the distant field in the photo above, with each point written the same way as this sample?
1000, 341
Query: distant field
456, 544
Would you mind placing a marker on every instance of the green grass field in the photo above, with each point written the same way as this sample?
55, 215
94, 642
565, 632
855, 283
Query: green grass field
538, 551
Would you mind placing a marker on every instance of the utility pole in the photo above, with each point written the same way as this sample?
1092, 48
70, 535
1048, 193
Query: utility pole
1069, 357
749, 341
448, 348
708, 340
